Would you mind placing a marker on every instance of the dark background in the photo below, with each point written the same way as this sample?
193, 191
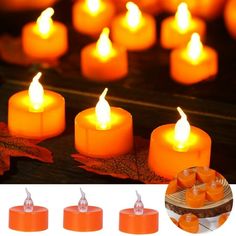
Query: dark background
147, 92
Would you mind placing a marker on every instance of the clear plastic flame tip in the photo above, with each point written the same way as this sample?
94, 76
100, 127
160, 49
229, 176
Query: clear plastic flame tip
186, 172
188, 217
83, 203
45, 23
28, 203
213, 184
182, 129
195, 190
103, 111
138, 206
183, 17
93, 5
133, 15
104, 45
36, 92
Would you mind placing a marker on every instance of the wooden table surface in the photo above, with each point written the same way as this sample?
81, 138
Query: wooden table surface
147, 92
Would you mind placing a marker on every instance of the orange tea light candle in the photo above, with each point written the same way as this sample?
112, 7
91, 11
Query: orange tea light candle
186, 178
222, 219
45, 39
104, 61
177, 31
230, 17
195, 197
215, 191
28, 218
36, 113
189, 222
103, 131
172, 187
176, 147
193, 63
134, 30
138, 220
205, 174
91, 16
83, 218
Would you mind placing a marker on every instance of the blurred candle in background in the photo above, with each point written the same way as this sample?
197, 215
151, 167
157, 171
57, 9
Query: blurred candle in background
91, 16
230, 17
104, 61
45, 39
134, 30
176, 31
194, 63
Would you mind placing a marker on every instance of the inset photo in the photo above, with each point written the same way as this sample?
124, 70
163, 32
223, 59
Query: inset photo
198, 200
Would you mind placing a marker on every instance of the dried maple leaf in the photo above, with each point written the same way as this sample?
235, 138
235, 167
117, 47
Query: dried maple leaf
133, 165
19, 147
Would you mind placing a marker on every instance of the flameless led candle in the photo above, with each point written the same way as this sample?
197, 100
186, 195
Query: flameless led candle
134, 30
28, 218
223, 217
194, 63
103, 131
45, 39
91, 16
205, 174
36, 113
215, 191
176, 31
230, 17
172, 187
83, 218
138, 220
195, 197
176, 147
186, 178
189, 222
104, 61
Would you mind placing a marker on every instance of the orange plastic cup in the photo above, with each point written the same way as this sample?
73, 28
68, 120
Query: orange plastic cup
186, 178
37, 220
215, 193
223, 217
195, 200
205, 175
74, 220
147, 223
191, 226
172, 187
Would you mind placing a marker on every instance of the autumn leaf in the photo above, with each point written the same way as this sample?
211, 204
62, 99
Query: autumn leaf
133, 165
11, 146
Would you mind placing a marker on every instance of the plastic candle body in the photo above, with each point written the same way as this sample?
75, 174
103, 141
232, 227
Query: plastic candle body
205, 174
134, 30
172, 187
44, 39
176, 31
195, 197
222, 218
194, 63
32, 119
83, 218
186, 178
167, 159
104, 61
215, 191
230, 17
28, 218
91, 16
189, 223
99, 133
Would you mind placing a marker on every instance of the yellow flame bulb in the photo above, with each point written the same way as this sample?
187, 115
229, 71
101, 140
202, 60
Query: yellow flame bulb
133, 15
182, 130
194, 48
93, 5
103, 112
104, 45
45, 22
36, 93
183, 17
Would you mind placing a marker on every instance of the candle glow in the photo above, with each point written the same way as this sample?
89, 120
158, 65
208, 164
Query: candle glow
133, 16
93, 6
104, 48
182, 130
103, 112
36, 94
44, 23
183, 17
